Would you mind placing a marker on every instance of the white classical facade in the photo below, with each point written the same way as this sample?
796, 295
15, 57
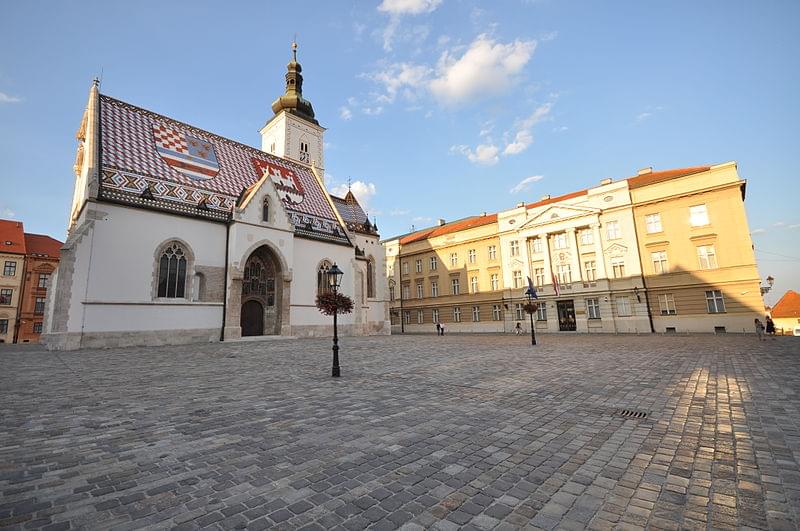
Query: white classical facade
580, 251
177, 235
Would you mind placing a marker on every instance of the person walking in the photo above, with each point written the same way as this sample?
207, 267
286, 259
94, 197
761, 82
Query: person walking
770, 327
441, 327
438, 329
759, 329
518, 329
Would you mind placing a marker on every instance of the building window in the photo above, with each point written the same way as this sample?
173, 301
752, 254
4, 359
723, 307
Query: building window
560, 241
433, 263
587, 237
434, 288
454, 259
457, 314
517, 279
304, 157
495, 281
418, 265
265, 210
37, 328
564, 274
593, 308
454, 286
476, 314
472, 256
435, 315
391, 293
496, 312
420, 316
492, 252
536, 245
407, 317
541, 312
590, 268
618, 267
44, 280
659, 262
420, 291
406, 292
3, 326
666, 304
519, 312
707, 257
698, 215
405, 268
10, 269
653, 223
371, 278
473, 284
715, 302
514, 247
612, 230
538, 276
623, 306
323, 285
38, 307
5, 296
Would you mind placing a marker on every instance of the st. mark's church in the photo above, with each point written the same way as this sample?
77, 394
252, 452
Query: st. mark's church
177, 235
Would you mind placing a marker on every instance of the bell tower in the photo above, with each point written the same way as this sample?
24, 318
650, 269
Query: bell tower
293, 132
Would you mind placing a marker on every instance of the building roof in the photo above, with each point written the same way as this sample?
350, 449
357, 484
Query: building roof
788, 306
448, 228
12, 237
353, 215
557, 199
42, 245
654, 177
151, 160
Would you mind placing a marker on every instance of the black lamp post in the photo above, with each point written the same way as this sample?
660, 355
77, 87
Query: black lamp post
529, 294
334, 281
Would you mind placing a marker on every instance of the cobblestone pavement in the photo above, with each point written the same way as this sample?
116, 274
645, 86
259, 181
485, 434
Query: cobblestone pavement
479, 432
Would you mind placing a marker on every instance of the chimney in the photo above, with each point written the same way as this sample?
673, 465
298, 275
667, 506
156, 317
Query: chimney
441, 222
520, 205
645, 171
483, 214
545, 197
609, 180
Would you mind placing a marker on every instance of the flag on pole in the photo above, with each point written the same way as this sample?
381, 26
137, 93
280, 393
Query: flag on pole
532, 289
555, 284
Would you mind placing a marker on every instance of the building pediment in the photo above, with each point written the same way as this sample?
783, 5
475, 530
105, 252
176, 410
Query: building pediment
558, 213
616, 249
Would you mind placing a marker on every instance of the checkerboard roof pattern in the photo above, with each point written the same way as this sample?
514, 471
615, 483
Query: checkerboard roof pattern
127, 143
350, 212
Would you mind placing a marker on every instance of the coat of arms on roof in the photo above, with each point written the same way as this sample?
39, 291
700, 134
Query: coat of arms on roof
191, 156
286, 182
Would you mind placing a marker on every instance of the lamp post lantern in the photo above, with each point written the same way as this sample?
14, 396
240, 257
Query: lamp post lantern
529, 294
334, 281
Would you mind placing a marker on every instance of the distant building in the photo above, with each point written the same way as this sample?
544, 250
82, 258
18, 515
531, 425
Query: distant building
665, 251
786, 313
12, 260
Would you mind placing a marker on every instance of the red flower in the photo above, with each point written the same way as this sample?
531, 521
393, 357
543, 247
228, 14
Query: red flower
328, 303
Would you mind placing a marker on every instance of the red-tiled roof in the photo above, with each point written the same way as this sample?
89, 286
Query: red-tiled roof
788, 306
665, 175
455, 226
12, 237
42, 245
557, 199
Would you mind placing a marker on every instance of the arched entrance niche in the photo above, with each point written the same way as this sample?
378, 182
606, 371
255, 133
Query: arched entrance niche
262, 294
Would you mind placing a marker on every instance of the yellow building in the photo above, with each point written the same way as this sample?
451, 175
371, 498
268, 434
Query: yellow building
664, 251
12, 262
695, 247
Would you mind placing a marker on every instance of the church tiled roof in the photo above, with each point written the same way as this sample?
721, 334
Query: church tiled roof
154, 161
353, 215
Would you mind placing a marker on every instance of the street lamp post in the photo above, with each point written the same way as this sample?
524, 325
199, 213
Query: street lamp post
334, 281
529, 294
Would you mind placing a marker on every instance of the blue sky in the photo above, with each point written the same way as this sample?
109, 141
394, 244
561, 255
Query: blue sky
434, 108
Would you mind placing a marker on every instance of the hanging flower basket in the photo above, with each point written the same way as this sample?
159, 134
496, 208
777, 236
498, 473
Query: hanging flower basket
530, 307
328, 303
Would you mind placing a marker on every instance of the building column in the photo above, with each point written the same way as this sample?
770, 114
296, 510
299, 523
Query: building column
599, 259
548, 268
576, 258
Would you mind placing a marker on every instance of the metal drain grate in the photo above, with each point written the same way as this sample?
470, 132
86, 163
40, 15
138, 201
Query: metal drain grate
632, 414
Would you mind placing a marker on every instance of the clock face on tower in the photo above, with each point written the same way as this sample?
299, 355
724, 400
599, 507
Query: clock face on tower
303, 156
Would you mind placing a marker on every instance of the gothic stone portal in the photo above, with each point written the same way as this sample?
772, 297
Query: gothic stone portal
261, 295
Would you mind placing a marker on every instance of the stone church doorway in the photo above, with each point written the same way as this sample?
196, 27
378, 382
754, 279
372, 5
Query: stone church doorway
261, 295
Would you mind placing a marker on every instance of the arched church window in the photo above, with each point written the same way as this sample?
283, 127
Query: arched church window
371, 278
265, 211
322, 277
259, 280
172, 272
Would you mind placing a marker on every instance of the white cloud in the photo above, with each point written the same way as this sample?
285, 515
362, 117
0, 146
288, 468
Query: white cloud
560, 129
486, 154
525, 183
524, 136
778, 224
422, 219
399, 212
794, 226
643, 116
408, 7
549, 36
345, 113
487, 67
373, 111
648, 113
363, 191
400, 78
6, 98
758, 231
7, 213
